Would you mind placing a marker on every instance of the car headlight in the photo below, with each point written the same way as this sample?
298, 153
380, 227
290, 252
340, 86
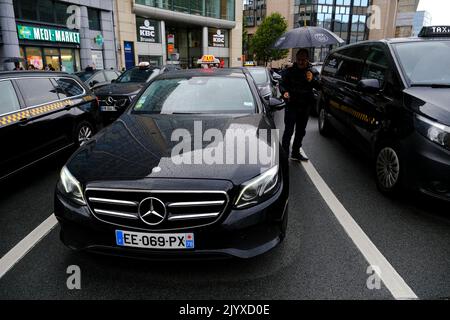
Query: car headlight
259, 189
434, 131
70, 186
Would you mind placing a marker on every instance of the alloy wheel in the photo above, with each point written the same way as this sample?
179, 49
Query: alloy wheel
388, 168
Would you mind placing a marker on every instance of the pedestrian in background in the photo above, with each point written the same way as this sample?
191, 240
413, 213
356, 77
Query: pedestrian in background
297, 87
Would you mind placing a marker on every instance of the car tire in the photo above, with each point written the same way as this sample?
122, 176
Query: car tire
324, 124
83, 132
389, 169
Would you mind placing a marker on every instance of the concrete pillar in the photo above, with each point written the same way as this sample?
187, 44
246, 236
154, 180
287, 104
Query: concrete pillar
85, 39
109, 49
205, 40
10, 46
163, 42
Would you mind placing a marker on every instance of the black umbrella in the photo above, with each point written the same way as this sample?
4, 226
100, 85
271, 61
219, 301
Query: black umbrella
307, 37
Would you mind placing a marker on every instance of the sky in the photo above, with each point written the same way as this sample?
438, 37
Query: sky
439, 9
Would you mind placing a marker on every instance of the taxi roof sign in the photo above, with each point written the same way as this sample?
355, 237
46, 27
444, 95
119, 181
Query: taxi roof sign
435, 31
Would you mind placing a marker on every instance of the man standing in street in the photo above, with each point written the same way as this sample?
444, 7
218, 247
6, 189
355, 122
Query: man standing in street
297, 88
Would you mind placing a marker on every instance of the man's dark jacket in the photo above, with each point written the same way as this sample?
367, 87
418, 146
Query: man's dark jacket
300, 90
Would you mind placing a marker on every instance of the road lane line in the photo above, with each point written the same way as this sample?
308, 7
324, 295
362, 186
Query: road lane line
390, 277
9, 260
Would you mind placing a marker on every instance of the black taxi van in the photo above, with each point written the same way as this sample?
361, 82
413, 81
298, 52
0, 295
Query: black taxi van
41, 114
392, 99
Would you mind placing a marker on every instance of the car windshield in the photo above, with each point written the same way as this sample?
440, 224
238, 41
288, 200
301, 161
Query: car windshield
84, 76
137, 75
259, 75
197, 95
425, 63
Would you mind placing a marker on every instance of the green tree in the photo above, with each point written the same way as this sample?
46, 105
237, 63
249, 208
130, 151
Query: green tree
268, 32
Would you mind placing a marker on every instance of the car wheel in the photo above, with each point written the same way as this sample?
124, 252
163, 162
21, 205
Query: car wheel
83, 133
324, 123
388, 170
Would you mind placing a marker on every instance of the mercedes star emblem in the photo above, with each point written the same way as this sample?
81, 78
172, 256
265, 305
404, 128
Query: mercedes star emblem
152, 211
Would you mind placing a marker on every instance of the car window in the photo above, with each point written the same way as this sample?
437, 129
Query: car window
425, 62
259, 75
69, 87
351, 64
37, 91
376, 66
199, 95
111, 75
137, 75
8, 98
84, 76
99, 77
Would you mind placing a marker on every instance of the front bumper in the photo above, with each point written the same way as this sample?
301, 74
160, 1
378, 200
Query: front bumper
240, 233
427, 167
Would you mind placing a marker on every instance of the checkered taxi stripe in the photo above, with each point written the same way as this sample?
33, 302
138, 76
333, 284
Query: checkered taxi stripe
19, 115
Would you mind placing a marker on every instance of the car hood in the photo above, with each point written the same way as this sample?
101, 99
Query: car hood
119, 89
141, 146
433, 102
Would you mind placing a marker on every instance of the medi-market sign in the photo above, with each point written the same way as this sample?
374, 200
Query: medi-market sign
46, 34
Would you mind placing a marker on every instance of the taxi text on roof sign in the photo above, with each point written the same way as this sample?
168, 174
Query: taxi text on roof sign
435, 31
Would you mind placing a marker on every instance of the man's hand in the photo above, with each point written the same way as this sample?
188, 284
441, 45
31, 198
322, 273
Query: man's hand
287, 96
309, 76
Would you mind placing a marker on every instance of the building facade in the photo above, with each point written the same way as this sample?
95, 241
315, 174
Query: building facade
179, 31
63, 35
384, 17
347, 18
405, 17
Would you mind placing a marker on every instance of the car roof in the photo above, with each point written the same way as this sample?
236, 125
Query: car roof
227, 72
24, 74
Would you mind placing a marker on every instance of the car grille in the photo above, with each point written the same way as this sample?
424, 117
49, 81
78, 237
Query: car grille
118, 101
184, 209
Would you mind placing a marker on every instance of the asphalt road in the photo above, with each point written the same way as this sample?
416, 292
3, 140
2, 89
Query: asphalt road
318, 260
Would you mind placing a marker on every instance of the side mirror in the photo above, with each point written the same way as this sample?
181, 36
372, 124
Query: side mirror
369, 85
276, 104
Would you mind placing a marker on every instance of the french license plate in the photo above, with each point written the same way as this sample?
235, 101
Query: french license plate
108, 108
171, 241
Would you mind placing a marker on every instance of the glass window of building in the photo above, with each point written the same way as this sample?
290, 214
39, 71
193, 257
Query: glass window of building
67, 61
34, 57
51, 58
94, 19
46, 13
219, 9
61, 13
28, 9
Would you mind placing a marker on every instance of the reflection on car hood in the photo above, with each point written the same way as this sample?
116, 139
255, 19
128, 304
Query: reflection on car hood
119, 89
433, 102
136, 144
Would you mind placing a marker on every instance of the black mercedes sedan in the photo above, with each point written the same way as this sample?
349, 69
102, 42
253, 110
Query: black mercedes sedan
115, 98
192, 168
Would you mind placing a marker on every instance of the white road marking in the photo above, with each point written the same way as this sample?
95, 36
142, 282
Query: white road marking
390, 277
10, 259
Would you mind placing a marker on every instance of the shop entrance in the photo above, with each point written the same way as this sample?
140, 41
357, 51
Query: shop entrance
187, 45
59, 59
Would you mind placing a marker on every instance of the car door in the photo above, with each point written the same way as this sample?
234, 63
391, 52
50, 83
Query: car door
13, 132
372, 107
45, 132
345, 100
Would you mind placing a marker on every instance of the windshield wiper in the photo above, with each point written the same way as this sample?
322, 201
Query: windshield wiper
431, 85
